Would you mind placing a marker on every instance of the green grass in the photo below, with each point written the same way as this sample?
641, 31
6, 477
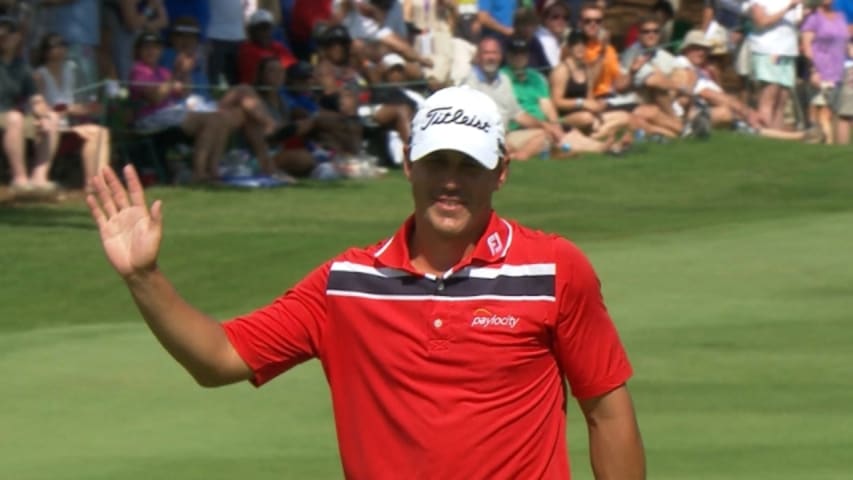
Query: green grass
727, 267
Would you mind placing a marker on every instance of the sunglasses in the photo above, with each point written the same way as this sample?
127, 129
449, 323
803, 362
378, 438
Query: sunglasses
596, 21
650, 31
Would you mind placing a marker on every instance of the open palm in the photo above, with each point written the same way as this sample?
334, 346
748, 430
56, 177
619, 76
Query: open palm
130, 233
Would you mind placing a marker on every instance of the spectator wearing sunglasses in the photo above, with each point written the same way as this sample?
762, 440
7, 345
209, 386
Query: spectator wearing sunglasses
549, 36
607, 75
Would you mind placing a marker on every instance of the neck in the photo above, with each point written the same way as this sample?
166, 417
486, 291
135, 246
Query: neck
490, 76
435, 254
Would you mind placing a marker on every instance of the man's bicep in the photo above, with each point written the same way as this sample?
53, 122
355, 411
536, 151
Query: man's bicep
285, 333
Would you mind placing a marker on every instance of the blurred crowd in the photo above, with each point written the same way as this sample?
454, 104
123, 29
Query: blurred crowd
327, 88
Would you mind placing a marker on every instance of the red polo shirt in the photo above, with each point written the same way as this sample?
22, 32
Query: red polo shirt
458, 376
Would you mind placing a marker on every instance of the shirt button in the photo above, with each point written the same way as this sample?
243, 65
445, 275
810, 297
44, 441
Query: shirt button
437, 323
440, 286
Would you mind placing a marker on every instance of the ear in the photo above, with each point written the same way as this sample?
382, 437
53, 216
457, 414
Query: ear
503, 172
407, 163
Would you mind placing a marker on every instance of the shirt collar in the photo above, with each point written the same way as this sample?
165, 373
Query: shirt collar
483, 78
492, 246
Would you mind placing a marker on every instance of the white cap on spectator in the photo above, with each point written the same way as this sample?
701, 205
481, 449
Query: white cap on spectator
261, 16
393, 60
461, 119
695, 38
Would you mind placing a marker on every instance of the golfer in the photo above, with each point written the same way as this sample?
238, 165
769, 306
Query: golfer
445, 346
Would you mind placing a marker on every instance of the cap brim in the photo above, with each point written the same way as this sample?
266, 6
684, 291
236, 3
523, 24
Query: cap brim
486, 155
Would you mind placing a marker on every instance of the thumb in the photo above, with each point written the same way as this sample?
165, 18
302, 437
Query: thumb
157, 212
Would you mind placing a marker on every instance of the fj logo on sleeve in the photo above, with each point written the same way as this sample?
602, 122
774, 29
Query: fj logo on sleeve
486, 319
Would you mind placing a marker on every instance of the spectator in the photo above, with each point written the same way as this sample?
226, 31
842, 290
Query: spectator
608, 78
185, 59
225, 32
24, 115
433, 21
531, 91
305, 17
77, 22
344, 90
531, 136
269, 84
824, 43
163, 103
845, 99
549, 37
650, 68
260, 44
726, 109
665, 13
125, 20
495, 17
366, 23
773, 43
56, 81
572, 92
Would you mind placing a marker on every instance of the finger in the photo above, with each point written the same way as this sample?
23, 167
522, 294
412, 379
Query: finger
104, 196
117, 189
157, 212
95, 209
134, 187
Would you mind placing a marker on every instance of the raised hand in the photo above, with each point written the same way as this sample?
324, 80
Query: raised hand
130, 233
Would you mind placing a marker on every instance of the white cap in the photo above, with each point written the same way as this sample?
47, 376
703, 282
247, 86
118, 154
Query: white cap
461, 119
260, 16
393, 60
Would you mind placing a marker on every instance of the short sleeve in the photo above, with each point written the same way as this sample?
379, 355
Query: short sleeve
611, 62
809, 24
587, 345
541, 85
289, 331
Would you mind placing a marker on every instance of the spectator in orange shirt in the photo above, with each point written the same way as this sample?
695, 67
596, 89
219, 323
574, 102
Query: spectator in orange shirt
600, 55
260, 44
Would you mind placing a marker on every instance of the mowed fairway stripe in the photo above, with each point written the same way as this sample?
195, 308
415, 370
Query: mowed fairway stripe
739, 334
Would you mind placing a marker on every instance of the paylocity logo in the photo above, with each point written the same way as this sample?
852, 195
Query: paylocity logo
486, 319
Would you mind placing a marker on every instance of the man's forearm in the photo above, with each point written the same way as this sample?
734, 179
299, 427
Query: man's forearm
195, 340
616, 450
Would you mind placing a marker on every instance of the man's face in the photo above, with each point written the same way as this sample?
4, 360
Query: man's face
556, 20
591, 19
517, 60
650, 34
452, 192
489, 55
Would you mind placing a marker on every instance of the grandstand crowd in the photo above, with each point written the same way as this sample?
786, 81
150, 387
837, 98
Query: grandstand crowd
284, 89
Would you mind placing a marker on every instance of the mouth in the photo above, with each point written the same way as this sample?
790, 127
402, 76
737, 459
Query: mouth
449, 202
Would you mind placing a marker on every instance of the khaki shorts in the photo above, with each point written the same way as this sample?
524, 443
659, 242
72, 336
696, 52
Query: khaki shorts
517, 138
30, 129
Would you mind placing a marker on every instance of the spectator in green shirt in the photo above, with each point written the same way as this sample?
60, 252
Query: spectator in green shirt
531, 90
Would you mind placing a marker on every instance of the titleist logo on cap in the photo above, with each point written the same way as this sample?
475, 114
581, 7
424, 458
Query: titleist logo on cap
440, 115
